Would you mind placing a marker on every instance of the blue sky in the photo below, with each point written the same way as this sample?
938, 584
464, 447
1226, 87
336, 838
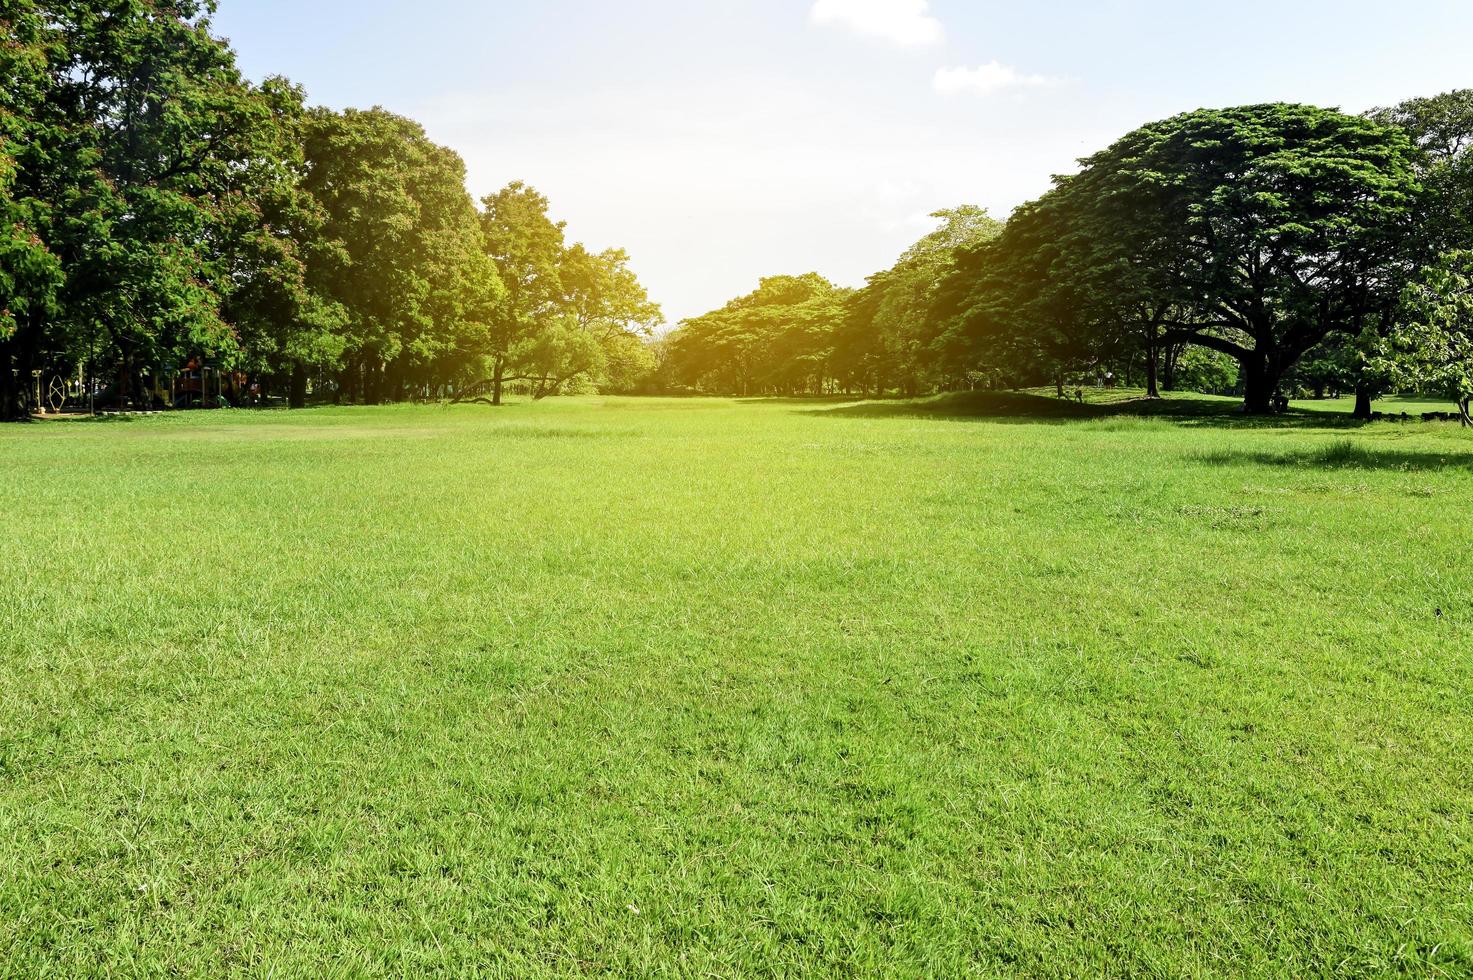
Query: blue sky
723, 140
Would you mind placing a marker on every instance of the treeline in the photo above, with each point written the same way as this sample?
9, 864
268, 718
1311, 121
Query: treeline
163, 217
160, 212
1263, 249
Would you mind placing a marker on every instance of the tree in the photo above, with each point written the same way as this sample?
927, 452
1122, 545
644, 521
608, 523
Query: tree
606, 316
526, 247
278, 256
1350, 362
779, 339
1442, 127
31, 276
886, 340
155, 207
159, 123
1434, 351
124, 125
417, 288
1006, 308
1209, 371
1254, 231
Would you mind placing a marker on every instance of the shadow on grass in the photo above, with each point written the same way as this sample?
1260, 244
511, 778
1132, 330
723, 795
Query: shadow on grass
69, 419
808, 400
1343, 454
1025, 408
100, 419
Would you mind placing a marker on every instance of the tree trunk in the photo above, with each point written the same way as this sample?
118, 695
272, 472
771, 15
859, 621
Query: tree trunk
373, 382
1173, 358
15, 406
1259, 385
496, 380
1153, 387
12, 390
1463, 415
297, 396
1363, 409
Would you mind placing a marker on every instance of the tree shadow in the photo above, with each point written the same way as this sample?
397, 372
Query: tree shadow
1025, 408
991, 406
102, 418
70, 418
1342, 454
808, 400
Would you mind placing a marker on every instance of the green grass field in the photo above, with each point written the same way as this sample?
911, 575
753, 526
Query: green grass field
1415, 407
709, 688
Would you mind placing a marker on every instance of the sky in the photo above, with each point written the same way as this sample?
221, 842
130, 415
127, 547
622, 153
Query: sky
720, 141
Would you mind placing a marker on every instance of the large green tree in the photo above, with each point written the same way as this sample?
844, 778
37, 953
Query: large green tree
888, 340
605, 317
416, 287
278, 257
1006, 309
162, 123
126, 125
1442, 126
779, 339
155, 207
30, 272
526, 247
1254, 231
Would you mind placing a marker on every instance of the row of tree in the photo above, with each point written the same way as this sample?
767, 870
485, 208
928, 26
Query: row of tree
1256, 248
158, 209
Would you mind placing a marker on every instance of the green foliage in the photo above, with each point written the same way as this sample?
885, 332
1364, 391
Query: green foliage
30, 273
1442, 126
888, 341
779, 339
1006, 309
416, 285
603, 295
1433, 353
567, 314
157, 208
279, 253
1205, 370
165, 120
606, 318
1254, 231
526, 247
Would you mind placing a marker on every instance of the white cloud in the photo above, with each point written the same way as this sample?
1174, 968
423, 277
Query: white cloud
905, 22
988, 79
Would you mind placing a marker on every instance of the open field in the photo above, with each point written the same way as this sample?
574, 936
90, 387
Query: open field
711, 688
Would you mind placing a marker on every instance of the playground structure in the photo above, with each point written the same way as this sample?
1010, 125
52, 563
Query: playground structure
198, 384
201, 385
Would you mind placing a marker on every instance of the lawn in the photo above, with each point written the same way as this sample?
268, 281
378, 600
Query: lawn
1393, 405
716, 688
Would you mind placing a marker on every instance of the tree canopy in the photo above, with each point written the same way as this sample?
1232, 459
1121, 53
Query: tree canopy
778, 339
1434, 352
1255, 232
889, 340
